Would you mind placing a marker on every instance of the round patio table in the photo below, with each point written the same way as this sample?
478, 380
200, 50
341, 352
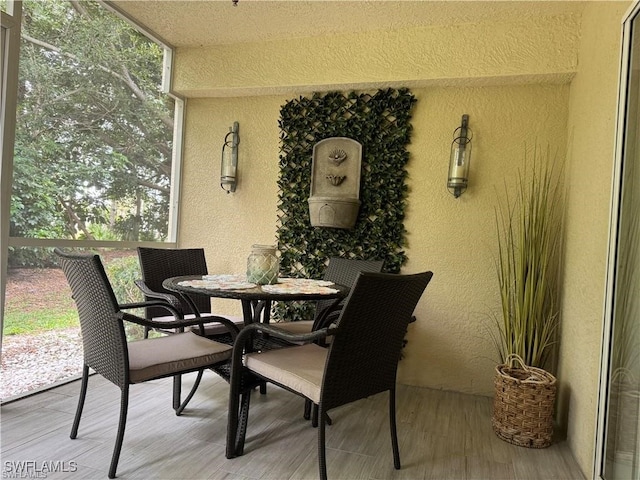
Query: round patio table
256, 301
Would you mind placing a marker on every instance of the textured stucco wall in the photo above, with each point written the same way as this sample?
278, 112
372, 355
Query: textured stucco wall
448, 347
592, 119
487, 53
228, 224
517, 93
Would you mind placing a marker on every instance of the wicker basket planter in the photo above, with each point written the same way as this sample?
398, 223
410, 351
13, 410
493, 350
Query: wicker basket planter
523, 405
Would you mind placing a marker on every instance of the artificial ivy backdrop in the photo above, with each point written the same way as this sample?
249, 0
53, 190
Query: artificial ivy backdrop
380, 122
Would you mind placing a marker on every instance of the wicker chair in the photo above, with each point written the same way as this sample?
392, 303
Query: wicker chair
158, 264
343, 271
361, 360
106, 349
339, 270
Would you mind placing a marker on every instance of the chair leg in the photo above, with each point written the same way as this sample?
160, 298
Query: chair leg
394, 430
177, 391
243, 421
81, 398
314, 419
322, 454
307, 409
237, 419
124, 405
191, 393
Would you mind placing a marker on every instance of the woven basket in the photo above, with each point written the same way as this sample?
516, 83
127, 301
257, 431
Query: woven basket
523, 404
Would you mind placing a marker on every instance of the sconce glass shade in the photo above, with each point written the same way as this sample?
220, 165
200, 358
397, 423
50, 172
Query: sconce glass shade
229, 162
460, 158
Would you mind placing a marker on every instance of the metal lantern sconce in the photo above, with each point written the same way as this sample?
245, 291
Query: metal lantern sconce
460, 158
229, 164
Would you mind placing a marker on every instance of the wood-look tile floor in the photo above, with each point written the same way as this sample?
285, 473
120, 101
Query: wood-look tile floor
443, 435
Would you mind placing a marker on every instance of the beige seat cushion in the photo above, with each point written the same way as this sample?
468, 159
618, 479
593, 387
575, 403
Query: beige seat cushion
299, 327
157, 357
209, 328
302, 326
299, 368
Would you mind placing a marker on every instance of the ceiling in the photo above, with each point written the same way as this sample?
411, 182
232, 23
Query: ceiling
194, 23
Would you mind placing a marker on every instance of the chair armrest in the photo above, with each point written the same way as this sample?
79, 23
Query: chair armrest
167, 297
232, 327
328, 315
245, 335
153, 303
178, 323
329, 318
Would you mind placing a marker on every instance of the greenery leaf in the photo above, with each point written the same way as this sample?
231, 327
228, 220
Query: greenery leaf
380, 122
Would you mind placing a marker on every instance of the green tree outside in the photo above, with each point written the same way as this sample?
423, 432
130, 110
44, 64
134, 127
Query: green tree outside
94, 131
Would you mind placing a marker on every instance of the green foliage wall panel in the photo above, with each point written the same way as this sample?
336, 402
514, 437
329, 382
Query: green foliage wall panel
380, 122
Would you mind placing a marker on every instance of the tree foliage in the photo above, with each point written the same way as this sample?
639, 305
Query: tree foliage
94, 131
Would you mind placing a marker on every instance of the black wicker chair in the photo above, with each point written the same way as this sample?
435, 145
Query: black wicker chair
107, 351
342, 271
361, 360
158, 264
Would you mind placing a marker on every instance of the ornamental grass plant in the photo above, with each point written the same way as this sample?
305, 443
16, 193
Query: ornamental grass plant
529, 227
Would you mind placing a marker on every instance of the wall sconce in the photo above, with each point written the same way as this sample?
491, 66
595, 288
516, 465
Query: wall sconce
229, 164
460, 158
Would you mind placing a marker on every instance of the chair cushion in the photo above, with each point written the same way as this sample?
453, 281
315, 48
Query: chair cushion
210, 329
163, 356
301, 326
299, 368
215, 328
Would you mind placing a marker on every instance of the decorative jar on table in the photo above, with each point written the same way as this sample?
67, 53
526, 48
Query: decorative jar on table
263, 265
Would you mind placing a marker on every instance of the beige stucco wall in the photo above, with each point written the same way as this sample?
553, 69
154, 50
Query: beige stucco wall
455, 238
592, 115
228, 224
526, 100
450, 346
515, 87
542, 49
